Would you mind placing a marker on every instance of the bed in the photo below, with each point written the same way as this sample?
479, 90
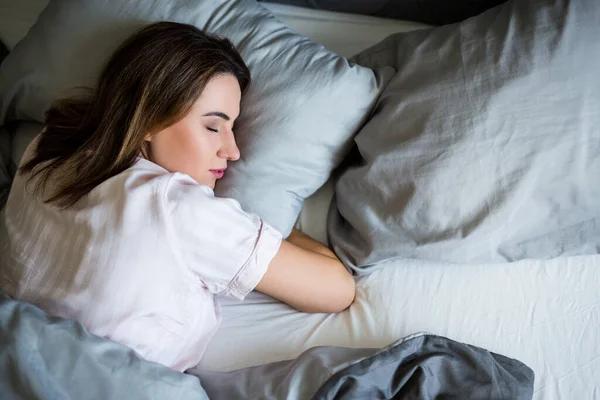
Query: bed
545, 313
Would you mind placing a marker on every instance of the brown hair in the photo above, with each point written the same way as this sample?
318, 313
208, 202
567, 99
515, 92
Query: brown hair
149, 83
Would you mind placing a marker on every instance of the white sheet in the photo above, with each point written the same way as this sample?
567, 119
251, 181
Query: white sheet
546, 314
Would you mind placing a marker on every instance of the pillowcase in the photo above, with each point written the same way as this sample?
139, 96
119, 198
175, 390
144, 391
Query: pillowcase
46, 357
485, 145
298, 118
434, 12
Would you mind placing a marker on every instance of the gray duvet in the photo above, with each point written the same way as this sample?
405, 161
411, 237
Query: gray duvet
485, 145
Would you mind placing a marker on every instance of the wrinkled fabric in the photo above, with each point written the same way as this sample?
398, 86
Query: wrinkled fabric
485, 145
421, 366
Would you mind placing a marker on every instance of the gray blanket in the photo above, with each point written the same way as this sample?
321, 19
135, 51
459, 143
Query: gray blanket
422, 366
45, 357
484, 146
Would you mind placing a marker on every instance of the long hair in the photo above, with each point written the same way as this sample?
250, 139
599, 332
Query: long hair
149, 83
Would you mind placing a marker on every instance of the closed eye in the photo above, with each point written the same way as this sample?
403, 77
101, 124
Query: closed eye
213, 130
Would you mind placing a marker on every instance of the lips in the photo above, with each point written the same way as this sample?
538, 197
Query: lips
218, 173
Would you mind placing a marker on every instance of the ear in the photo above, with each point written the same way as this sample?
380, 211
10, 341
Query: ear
148, 138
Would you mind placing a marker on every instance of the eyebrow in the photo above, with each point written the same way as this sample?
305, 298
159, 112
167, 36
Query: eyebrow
217, 114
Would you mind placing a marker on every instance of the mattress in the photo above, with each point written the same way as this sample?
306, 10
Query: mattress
544, 313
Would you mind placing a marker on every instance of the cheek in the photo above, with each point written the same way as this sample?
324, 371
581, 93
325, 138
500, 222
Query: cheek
182, 137
175, 139
181, 148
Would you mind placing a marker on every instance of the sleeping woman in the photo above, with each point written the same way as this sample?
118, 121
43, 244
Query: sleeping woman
112, 219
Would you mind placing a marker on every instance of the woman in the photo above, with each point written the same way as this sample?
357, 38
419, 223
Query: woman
112, 218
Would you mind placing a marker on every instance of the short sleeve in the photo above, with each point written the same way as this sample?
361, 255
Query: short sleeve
228, 249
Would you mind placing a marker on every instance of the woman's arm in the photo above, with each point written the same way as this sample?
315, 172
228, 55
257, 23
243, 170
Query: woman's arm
308, 276
301, 239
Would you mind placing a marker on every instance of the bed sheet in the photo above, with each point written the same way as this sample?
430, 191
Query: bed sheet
545, 314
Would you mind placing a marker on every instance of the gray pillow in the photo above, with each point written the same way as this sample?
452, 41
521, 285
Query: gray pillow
433, 12
298, 118
484, 147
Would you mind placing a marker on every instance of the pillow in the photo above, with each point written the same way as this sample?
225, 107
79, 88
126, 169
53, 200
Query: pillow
485, 145
298, 117
434, 12
46, 357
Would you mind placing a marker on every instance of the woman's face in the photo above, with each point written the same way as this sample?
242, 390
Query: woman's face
202, 143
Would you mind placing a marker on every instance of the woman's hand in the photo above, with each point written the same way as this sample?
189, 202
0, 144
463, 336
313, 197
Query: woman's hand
308, 276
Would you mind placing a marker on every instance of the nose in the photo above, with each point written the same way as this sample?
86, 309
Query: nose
229, 149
